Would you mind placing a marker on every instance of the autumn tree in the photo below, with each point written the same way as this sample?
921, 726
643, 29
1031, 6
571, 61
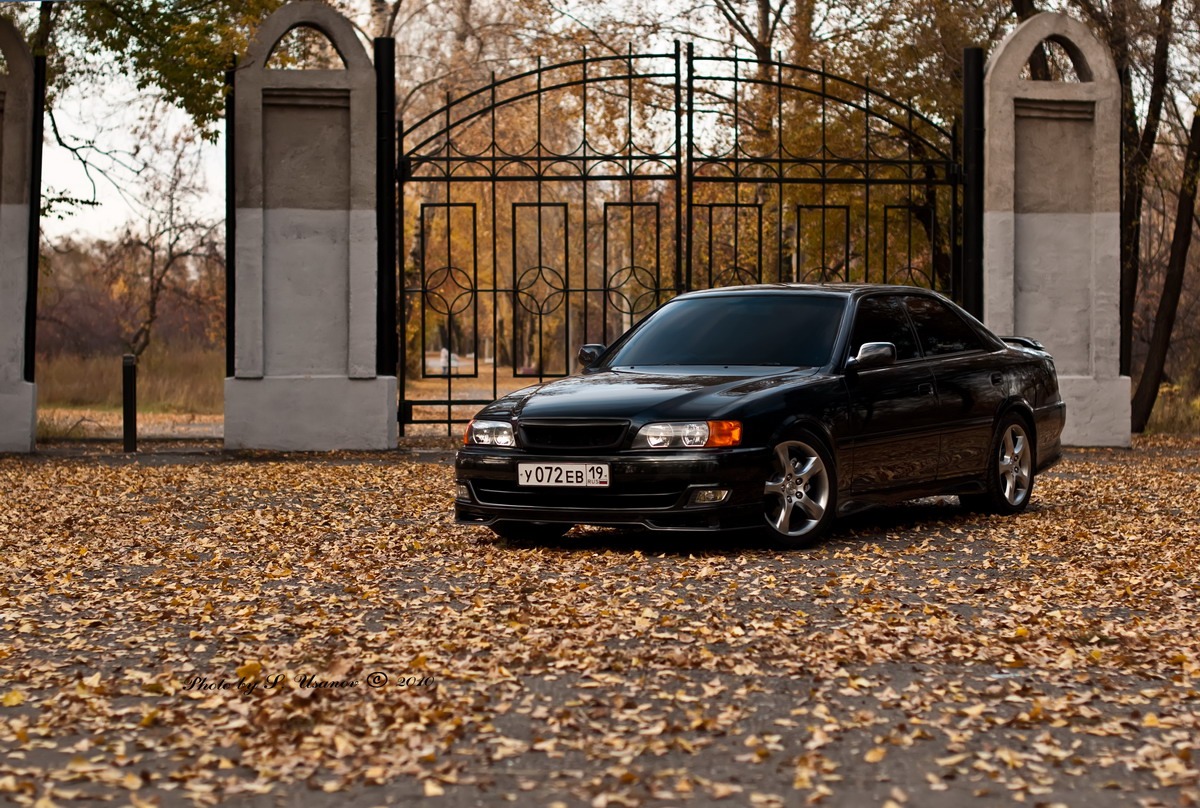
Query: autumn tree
174, 52
168, 249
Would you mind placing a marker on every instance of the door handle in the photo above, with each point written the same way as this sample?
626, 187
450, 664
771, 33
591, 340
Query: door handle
925, 389
997, 378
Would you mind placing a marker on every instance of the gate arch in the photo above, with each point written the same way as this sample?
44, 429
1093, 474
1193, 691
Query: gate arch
559, 205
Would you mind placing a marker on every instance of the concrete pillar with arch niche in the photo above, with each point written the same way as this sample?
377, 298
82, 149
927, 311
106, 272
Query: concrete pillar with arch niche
18, 395
1052, 218
306, 249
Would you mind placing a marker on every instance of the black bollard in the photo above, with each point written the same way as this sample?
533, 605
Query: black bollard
129, 400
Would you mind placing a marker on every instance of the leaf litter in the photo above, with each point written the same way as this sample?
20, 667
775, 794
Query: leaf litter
206, 631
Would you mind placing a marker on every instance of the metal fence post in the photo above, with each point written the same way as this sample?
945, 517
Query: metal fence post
35, 214
230, 226
129, 400
973, 178
385, 204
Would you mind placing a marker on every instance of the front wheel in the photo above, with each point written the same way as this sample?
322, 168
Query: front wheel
1010, 471
800, 492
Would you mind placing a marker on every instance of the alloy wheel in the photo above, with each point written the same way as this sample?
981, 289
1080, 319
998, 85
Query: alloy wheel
797, 492
1015, 464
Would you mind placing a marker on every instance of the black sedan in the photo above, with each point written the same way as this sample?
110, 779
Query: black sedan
775, 407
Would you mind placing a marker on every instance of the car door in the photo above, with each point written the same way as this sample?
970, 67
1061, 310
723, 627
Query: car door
894, 413
970, 384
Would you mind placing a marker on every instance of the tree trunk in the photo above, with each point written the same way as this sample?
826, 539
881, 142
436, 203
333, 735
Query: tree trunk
1039, 64
1137, 148
1164, 320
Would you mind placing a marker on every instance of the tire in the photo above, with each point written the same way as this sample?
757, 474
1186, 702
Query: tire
1010, 471
530, 531
800, 491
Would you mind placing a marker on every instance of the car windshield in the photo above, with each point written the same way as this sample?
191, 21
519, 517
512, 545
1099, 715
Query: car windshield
789, 329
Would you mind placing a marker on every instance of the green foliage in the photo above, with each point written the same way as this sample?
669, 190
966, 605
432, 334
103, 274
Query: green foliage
182, 48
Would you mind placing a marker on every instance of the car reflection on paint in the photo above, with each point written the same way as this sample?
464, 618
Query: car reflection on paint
773, 407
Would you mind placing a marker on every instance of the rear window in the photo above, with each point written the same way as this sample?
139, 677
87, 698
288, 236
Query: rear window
940, 330
786, 329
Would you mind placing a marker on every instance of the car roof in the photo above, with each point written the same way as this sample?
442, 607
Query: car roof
838, 289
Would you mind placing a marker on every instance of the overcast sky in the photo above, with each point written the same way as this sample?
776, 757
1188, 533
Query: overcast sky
112, 117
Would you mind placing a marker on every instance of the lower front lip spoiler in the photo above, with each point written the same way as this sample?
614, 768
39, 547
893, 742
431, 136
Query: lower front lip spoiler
692, 519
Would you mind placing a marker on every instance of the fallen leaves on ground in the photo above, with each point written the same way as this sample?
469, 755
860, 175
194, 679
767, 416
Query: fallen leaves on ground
210, 627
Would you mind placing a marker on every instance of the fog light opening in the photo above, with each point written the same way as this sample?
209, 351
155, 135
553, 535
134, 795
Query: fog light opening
463, 491
710, 496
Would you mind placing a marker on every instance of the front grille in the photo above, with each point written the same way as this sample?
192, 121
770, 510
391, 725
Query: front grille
641, 496
573, 436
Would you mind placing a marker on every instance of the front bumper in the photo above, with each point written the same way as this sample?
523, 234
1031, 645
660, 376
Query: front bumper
651, 490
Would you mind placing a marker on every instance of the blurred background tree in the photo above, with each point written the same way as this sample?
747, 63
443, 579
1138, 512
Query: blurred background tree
175, 54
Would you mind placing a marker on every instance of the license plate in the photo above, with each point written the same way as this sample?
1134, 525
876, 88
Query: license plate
566, 475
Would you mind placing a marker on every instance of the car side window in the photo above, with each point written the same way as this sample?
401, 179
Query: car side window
940, 330
882, 319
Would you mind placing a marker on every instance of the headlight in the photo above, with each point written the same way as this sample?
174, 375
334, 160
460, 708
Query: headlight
489, 433
689, 435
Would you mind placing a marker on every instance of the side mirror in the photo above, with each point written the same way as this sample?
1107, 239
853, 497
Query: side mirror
590, 353
872, 355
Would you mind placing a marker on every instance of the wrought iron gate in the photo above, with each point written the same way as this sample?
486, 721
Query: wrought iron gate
558, 206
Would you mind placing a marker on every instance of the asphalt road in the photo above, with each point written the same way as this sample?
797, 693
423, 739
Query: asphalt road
921, 656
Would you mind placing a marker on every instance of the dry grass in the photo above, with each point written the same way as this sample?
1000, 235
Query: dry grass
1174, 413
192, 381
87, 424
186, 380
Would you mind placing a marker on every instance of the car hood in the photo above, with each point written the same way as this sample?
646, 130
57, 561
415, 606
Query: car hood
653, 393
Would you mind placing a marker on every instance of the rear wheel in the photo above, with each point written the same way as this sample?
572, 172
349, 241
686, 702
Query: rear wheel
800, 492
530, 531
1010, 471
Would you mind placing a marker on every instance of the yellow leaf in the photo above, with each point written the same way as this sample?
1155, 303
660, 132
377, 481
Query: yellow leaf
433, 788
975, 710
13, 698
875, 755
249, 670
131, 781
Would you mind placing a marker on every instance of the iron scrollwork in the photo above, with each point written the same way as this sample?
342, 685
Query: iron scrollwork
639, 176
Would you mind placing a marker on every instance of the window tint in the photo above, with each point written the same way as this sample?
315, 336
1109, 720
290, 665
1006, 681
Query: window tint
882, 319
940, 330
788, 329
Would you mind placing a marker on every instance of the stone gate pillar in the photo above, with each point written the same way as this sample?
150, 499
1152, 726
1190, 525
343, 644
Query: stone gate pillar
1052, 219
306, 249
18, 395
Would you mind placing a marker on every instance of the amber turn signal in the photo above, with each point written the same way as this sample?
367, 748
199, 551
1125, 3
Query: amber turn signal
724, 433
